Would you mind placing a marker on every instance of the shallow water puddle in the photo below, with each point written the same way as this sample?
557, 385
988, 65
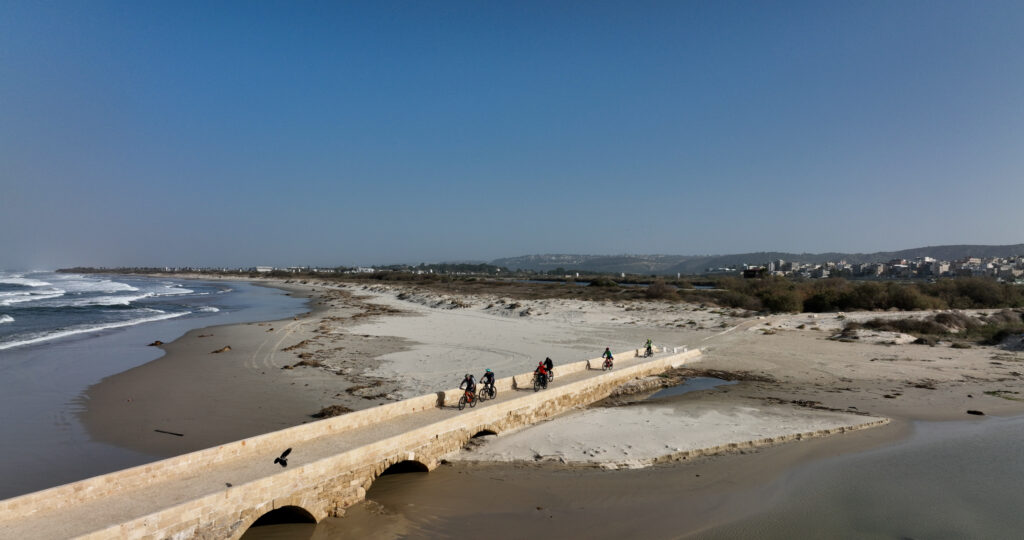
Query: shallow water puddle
691, 385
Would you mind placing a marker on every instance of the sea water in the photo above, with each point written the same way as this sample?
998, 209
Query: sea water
61, 333
39, 307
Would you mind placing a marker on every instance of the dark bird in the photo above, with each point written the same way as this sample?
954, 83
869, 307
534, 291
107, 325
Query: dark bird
283, 460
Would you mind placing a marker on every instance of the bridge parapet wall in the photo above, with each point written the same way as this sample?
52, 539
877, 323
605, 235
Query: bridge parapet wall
325, 486
142, 475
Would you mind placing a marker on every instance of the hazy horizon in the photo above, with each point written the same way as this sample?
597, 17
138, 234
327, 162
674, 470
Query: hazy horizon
492, 260
236, 134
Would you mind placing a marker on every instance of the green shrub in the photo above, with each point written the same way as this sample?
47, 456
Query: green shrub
661, 290
782, 301
735, 299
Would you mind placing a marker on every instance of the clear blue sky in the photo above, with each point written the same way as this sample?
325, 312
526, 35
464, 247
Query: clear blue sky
222, 133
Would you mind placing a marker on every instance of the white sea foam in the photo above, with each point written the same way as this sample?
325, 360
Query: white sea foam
6, 319
86, 329
173, 291
81, 284
168, 288
108, 300
208, 309
32, 297
27, 282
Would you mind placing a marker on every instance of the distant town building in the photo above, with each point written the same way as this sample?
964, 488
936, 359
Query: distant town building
753, 272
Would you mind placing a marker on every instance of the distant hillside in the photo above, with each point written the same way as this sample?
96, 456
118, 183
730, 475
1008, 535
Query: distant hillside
697, 264
632, 264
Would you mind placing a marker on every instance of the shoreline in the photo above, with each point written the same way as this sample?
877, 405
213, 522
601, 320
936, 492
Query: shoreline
44, 385
198, 395
362, 357
376, 343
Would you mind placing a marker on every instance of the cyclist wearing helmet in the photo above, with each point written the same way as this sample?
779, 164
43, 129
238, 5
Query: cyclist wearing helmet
488, 378
542, 374
607, 353
469, 383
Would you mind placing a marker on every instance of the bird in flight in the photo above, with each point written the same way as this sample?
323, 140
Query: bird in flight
283, 460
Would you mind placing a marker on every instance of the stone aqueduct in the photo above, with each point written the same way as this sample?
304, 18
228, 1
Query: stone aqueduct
333, 463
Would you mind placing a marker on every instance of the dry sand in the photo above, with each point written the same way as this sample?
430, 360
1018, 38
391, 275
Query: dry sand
385, 342
368, 345
215, 397
801, 380
642, 435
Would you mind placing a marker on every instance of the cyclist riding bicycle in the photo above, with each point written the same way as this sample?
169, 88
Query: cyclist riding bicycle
550, 366
470, 385
488, 379
650, 347
542, 374
607, 354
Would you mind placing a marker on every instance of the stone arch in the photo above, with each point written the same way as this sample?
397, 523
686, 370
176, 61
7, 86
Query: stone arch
484, 431
405, 466
282, 515
395, 465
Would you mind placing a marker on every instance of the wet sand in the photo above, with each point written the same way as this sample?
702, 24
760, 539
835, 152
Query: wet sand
367, 345
380, 343
550, 501
198, 398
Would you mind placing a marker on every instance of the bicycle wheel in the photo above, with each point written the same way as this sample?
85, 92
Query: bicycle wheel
536, 383
462, 403
473, 402
492, 393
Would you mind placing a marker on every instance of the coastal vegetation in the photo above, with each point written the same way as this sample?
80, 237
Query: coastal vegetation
960, 328
772, 294
780, 295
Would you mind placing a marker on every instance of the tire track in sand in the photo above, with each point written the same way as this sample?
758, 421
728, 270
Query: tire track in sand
268, 358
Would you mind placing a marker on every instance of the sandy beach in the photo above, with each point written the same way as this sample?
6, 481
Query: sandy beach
358, 347
362, 345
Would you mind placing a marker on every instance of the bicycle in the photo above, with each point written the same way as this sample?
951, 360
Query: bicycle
648, 352
467, 397
539, 381
607, 364
488, 392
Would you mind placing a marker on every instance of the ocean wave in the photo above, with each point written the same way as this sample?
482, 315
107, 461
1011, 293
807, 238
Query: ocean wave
208, 309
39, 338
108, 300
6, 319
27, 282
32, 297
78, 285
174, 291
169, 288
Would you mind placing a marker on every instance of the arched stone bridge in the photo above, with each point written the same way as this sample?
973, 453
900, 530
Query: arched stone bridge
220, 492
